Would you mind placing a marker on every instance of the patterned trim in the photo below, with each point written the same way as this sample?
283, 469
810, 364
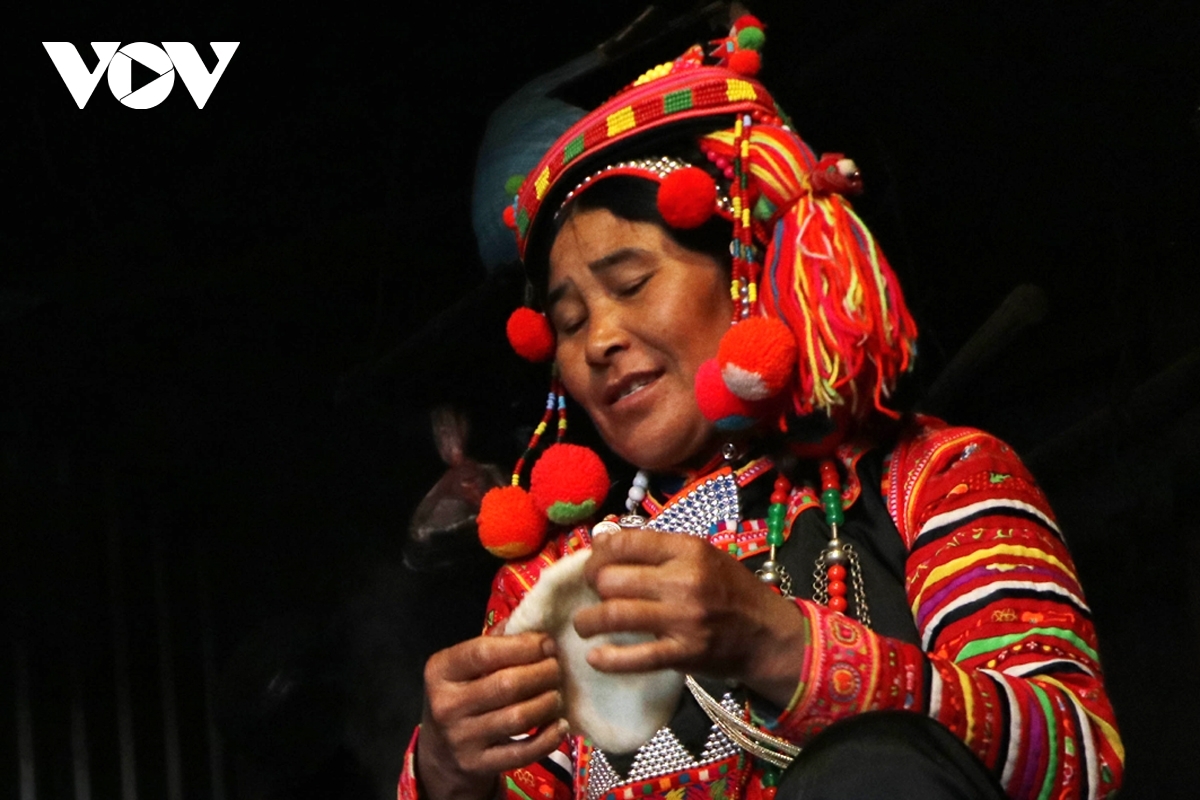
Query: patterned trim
675, 97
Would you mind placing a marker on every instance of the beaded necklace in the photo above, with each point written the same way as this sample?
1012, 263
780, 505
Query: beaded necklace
838, 560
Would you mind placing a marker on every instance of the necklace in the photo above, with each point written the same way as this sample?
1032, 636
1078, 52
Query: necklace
839, 559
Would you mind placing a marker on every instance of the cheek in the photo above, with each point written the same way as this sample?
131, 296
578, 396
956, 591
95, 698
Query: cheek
571, 370
710, 318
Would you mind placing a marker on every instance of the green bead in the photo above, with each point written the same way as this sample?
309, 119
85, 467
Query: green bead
777, 511
834, 515
513, 184
763, 209
831, 496
775, 538
751, 38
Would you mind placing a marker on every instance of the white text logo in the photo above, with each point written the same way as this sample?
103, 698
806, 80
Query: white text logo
118, 61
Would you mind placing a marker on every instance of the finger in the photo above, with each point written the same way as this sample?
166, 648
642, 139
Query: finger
455, 705
631, 546
629, 581
622, 616
524, 751
499, 726
483, 655
515, 684
641, 657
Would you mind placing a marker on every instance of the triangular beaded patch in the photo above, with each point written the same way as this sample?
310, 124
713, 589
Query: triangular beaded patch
664, 754
698, 510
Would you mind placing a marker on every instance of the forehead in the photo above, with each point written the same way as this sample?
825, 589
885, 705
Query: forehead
590, 238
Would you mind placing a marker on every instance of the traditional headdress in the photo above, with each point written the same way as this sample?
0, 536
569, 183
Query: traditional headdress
819, 322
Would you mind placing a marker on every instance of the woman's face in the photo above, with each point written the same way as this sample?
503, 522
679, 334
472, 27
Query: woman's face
635, 316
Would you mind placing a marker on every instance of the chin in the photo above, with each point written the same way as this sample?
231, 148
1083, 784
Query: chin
673, 456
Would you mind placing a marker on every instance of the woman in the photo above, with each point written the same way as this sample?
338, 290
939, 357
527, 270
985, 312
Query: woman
943, 648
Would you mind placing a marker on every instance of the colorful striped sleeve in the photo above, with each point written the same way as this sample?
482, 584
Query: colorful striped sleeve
553, 777
1008, 658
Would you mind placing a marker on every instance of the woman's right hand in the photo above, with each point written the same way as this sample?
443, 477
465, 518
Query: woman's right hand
479, 694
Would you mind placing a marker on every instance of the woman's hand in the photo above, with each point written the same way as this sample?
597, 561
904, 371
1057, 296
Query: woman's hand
478, 694
710, 615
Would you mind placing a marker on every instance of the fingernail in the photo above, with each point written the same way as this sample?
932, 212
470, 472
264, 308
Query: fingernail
564, 727
548, 647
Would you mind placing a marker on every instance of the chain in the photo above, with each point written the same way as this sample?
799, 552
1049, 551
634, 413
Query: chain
860, 593
820, 581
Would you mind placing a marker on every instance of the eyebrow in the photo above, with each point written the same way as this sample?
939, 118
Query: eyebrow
618, 256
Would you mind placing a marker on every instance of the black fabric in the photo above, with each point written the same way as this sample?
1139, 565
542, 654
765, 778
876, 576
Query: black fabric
869, 527
887, 755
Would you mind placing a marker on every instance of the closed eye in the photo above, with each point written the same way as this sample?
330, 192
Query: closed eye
632, 288
568, 327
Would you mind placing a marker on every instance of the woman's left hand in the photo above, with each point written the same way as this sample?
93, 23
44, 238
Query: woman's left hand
710, 615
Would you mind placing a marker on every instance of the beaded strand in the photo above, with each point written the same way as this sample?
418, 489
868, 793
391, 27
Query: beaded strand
772, 572
839, 560
555, 400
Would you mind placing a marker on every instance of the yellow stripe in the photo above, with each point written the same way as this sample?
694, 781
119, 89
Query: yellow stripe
1106, 729
961, 564
968, 706
737, 90
621, 121
542, 183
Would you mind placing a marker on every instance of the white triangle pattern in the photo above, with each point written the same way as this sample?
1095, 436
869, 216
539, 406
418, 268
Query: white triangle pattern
662, 755
715, 500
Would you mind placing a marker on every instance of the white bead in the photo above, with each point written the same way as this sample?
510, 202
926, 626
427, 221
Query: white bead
641, 480
637, 494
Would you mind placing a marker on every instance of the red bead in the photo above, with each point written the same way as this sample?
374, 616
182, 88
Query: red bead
769, 793
775, 589
837, 604
779, 497
837, 573
782, 484
829, 476
837, 589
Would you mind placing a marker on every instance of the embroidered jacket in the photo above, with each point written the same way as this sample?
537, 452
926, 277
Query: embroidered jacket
1007, 656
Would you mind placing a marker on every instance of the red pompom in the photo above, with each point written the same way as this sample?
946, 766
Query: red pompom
745, 62
530, 335
568, 483
510, 525
687, 198
510, 217
723, 408
757, 357
747, 21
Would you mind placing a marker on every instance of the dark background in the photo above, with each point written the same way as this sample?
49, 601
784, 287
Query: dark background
222, 331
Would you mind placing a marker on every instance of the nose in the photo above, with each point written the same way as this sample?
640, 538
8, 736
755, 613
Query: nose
607, 333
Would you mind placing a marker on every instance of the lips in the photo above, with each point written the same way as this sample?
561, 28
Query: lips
629, 384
